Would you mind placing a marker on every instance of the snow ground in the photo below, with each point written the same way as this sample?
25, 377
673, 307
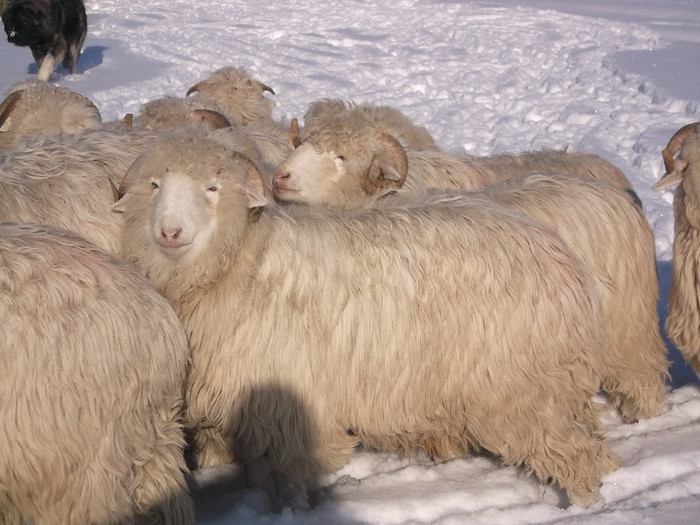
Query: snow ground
611, 77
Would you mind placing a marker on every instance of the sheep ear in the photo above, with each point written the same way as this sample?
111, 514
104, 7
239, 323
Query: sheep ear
673, 177
255, 198
118, 207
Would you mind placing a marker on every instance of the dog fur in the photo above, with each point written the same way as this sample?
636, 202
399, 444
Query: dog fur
54, 31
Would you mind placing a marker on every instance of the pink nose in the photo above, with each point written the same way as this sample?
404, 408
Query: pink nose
279, 177
171, 235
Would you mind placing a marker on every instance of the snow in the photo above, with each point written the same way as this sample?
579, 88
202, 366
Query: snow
611, 77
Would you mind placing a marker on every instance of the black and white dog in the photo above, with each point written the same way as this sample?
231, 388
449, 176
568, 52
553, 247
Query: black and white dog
54, 30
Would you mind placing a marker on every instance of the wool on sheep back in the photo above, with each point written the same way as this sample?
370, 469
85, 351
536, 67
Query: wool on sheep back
93, 363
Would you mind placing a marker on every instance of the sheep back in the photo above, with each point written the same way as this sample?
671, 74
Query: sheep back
589, 214
70, 182
93, 362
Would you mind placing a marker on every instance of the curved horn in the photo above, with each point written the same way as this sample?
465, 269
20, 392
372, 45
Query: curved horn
128, 121
675, 143
211, 119
199, 85
265, 87
389, 166
8, 105
294, 131
673, 172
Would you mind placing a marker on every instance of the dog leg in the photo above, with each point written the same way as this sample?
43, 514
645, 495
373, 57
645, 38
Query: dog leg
46, 68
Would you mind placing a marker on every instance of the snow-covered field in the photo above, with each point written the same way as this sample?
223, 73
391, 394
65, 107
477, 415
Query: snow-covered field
611, 77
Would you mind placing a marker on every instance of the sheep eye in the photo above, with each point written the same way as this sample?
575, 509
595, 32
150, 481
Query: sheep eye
213, 188
154, 185
340, 158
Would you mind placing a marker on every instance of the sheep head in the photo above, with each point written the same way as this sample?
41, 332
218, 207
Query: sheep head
344, 172
239, 96
187, 201
675, 167
46, 110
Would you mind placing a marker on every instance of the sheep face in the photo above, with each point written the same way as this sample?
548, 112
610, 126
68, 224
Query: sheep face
315, 177
341, 176
179, 193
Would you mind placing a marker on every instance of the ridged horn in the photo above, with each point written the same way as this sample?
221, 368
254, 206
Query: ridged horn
389, 166
669, 153
294, 132
8, 105
211, 119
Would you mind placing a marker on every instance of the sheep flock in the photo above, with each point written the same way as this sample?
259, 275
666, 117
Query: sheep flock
199, 284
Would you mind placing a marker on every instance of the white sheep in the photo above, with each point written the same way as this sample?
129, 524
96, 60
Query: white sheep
70, 182
683, 321
342, 147
93, 363
169, 112
46, 110
384, 118
586, 213
446, 326
242, 99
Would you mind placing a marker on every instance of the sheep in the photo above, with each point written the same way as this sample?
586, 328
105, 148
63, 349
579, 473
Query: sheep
169, 112
242, 99
587, 213
343, 148
312, 332
93, 363
384, 118
683, 321
70, 182
46, 110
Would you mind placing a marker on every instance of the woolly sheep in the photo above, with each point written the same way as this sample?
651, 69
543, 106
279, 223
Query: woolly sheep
343, 149
683, 321
169, 112
242, 99
44, 109
309, 331
93, 363
587, 214
70, 182
384, 118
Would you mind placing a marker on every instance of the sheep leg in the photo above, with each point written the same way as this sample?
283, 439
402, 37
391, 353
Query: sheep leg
567, 450
211, 448
637, 395
158, 485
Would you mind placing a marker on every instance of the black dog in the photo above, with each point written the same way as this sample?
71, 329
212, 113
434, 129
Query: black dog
54, 30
